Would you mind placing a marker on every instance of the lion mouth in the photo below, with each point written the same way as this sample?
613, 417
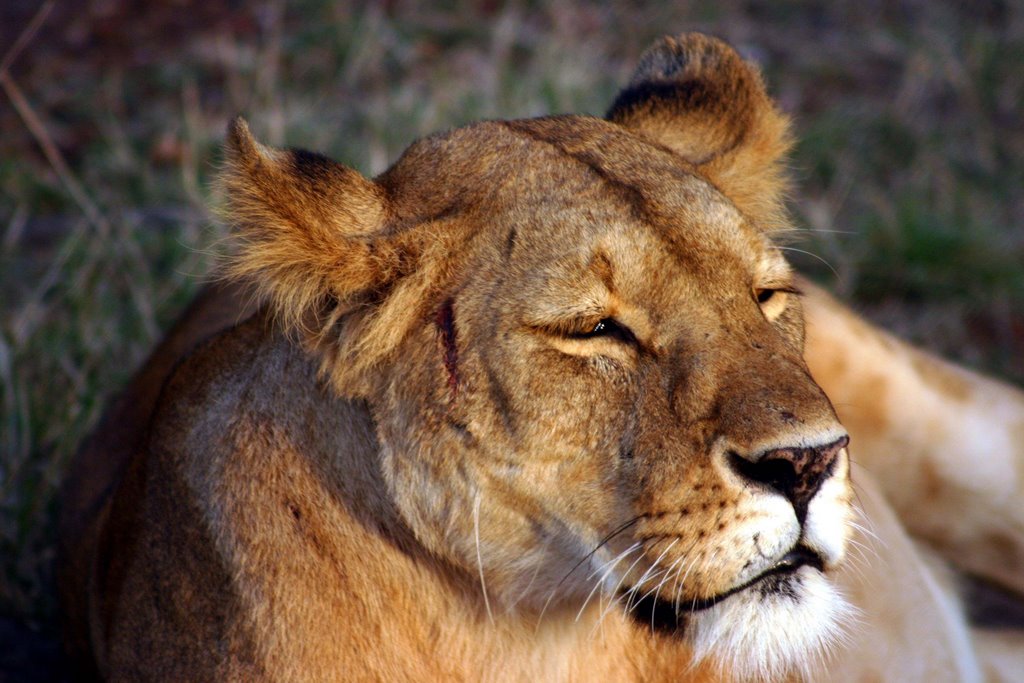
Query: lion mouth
667, 616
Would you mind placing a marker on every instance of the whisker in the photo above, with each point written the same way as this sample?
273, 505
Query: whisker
610, 568
682, 581
811, 231
479, 559
811, 254
655, 564
693, 604
615, 591
665, 579
533, 577
866, 530
636, 589
606, 539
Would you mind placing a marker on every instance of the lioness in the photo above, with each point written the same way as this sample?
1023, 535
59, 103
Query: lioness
533, 405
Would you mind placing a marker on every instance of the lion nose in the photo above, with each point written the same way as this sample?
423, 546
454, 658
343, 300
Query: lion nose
797, 472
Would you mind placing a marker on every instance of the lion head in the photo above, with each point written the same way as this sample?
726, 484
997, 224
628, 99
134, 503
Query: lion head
582, 353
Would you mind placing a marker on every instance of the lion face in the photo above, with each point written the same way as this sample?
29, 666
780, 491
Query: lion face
583, 356
617, 406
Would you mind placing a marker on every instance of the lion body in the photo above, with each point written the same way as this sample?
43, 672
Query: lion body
499, 411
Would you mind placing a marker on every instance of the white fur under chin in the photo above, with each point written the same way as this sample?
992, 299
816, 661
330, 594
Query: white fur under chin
759, 637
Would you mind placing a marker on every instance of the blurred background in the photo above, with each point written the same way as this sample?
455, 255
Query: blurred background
908, 193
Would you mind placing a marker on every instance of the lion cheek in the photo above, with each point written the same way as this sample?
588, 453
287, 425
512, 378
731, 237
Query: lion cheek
480, 524
434, 509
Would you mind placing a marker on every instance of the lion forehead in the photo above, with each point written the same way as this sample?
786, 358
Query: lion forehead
570, 171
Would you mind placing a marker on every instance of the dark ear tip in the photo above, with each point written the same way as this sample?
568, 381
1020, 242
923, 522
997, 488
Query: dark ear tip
688, 72
684, 57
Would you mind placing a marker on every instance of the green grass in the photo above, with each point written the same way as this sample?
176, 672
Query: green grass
908, 171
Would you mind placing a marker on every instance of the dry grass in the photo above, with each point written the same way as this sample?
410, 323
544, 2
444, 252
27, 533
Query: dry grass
909, 171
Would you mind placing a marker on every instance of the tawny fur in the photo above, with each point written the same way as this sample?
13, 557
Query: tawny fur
396, 466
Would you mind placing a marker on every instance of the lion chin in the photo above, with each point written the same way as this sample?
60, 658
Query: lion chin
762, 631
767, 631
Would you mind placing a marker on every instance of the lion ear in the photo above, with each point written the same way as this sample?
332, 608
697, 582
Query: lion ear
305, 226
697, 96
311, 241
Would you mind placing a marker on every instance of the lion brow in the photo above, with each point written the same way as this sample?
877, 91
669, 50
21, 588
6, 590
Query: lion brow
601, 265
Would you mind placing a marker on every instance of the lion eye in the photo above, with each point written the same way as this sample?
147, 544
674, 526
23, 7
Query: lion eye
607, 327
774, 300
